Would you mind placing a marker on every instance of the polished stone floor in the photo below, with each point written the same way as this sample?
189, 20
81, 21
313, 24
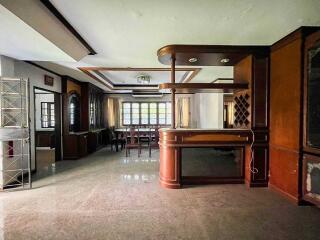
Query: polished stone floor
109, 196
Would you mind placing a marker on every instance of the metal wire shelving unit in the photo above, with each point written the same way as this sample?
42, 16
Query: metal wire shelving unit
15, 162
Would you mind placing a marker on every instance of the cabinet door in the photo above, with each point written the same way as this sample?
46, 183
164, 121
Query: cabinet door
83, 142
312, 90
311, 179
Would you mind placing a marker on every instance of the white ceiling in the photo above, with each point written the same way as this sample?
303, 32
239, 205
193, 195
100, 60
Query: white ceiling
17, 40
128, 33
209, 74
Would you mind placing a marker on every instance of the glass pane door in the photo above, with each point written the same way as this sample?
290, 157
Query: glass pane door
313, 102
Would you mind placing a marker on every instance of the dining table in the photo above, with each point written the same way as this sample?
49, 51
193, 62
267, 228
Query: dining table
143, 132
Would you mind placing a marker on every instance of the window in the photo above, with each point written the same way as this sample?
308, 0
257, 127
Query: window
145, 113
162, 113
153, 113
135, 115
126, 109
168, 113
47, 115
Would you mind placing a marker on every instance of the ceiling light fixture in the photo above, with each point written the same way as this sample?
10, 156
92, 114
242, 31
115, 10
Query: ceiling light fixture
224, 60
193, 60
143, 78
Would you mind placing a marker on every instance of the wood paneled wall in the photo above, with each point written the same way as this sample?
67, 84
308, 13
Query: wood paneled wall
286, 113
243, 73
285, 117
73, 86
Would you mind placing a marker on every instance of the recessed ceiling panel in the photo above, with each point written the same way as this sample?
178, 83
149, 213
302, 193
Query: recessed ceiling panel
130, 77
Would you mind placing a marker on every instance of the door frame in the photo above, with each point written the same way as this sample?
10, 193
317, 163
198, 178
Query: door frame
57, 128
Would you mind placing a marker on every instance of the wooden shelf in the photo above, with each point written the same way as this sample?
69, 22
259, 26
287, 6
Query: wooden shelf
208, 55
204, 87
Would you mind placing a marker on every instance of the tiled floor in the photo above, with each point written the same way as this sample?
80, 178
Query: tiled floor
108, 196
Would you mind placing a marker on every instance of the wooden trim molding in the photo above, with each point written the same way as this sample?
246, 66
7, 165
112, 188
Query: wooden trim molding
208, 55
301, 32
96, 74
204, 87
135, 69
96, 78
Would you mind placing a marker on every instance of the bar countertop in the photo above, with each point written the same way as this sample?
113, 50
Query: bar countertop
173, 141
213, 130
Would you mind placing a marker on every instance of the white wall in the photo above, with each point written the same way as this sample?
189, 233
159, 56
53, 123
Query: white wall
36, 79
20, 69
207, 110
6, 66
39, 98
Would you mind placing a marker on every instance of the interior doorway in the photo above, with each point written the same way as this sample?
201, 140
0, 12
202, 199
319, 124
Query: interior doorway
47, 125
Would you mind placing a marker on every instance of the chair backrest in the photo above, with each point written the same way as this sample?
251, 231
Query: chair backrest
132, 135
112, 134
156, 134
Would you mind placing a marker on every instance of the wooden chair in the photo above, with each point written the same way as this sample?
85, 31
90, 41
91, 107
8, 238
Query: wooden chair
115, 141
144, 136
132, 141
154, 139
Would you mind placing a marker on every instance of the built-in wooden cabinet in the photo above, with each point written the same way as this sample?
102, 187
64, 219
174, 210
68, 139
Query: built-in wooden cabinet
96, 101
75, 145
311, 126
311, 96
83, 121
95, 140
251, 112
311, 179
45, 138
287, 71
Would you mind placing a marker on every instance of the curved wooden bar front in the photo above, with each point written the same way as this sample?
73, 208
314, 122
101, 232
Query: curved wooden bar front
173, 140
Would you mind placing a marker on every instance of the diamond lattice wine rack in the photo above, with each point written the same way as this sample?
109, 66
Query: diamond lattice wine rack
242, 111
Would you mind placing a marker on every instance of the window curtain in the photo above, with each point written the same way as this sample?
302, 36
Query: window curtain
230, 112
113, 113
183, 112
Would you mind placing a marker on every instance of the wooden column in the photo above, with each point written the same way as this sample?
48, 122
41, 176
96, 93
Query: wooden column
173, 92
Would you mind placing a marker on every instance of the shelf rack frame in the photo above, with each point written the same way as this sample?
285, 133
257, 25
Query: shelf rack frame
15, 161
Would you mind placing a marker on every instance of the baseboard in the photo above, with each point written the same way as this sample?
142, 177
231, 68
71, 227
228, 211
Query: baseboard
256, 184
194, 180
290, 197
303, 202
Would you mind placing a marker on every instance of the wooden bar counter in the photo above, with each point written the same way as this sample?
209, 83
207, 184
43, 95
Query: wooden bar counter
172, 141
